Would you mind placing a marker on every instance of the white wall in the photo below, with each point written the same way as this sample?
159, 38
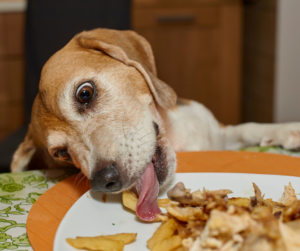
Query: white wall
287, 77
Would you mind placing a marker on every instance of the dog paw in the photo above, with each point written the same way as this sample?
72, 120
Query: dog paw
287, 136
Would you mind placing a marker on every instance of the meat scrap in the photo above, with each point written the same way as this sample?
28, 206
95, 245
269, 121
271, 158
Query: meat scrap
289, 196
198, 198
257, 192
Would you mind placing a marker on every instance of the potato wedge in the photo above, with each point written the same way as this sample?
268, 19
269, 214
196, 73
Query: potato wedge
168, 244
125, 237
96, 243
164, 231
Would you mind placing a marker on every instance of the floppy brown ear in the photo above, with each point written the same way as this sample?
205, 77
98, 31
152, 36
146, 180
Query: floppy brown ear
24, 153
133, 50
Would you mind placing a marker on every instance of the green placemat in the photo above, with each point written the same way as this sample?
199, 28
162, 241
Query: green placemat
272, 149
18, 192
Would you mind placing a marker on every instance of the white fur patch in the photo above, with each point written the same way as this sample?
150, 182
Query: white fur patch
56, 139
194, 128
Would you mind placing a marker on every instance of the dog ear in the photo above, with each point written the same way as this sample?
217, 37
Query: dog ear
133, 50
24, 153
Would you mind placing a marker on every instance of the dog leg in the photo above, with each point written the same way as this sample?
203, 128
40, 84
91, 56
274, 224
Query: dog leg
286, 135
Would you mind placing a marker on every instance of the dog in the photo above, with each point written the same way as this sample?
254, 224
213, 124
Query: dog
102, 108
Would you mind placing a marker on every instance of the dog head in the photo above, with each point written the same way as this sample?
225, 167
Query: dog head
97, 110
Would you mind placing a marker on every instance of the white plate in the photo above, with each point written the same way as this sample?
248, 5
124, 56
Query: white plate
89, 216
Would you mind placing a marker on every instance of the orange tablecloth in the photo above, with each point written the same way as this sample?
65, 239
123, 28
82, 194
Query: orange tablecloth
48, 211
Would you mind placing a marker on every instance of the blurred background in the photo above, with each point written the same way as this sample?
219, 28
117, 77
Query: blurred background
240, 58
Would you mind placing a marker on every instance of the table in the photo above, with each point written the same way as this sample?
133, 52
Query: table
19, 191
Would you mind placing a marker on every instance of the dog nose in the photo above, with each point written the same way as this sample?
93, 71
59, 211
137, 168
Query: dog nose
106, 180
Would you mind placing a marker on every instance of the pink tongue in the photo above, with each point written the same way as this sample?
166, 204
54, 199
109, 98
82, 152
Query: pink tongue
147, 188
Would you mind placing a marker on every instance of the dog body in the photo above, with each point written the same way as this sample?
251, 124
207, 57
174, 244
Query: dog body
194, 128
101, 108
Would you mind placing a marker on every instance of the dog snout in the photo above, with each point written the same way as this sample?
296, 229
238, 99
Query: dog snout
106, 180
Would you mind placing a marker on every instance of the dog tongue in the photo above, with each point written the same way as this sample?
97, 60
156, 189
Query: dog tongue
147, 188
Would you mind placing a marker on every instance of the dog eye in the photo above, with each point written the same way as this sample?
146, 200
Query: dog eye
85, 92
62, 154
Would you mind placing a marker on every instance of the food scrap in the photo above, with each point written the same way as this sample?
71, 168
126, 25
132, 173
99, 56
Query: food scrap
210, 221
104, 198
103, 243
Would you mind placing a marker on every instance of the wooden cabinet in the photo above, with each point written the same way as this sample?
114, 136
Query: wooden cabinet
259, 60
197, 49
11, 72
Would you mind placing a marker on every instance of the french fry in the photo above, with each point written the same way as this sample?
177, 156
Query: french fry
186, 213
163, 217
242, 202
99, 244
129, 200
164, 231
168, 244
163, 202
125, 237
